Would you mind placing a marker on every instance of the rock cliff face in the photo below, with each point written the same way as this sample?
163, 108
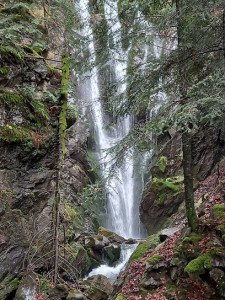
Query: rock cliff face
164, 192
32, 171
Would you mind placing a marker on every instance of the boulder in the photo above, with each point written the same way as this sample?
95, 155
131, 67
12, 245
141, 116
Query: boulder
149, 283
112, 252
111, 236
81, 261
167, 233
75, 295
216, 274
58, 292
96, 242
99, 287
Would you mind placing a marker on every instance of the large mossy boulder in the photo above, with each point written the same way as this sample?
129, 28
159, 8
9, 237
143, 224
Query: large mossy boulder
96, 242
99, 287
60, 291
145, 246
111, 236
161, 199
78, 257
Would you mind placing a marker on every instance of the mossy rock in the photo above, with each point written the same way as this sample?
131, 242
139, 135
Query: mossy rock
154, 260
193, 238
111, 236
99, 287
112, 253
120, 297
95, 293
162, 162
181, 247
80, 259
219, 211
58, 292
173, 184
8, 285
4, 71
75, 294
139, 252
153, 241
198, 266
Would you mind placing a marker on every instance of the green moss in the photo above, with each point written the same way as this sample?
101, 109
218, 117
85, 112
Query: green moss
154, 260
162, 163
53, 70
72, 294
167, 188
192, 238
198, 266
219, 211
221, 228
64, 96
62, 128
8, 285
105, 232
4, 71
182, 245
70, 212
173, 183
65, 76
201, 200
139, 252
170, 289
153, 241
119, 297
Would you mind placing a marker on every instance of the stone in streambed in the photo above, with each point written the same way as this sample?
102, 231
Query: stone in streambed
112, 252
99, 287
111, 236
96, 242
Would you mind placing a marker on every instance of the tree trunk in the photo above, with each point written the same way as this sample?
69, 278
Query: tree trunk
186, 136
188, 181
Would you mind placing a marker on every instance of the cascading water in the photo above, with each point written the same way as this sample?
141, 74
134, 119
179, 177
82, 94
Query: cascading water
112, 272
120, 190
122, 197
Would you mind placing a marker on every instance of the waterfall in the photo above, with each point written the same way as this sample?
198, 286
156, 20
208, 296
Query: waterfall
125, 188
121, 202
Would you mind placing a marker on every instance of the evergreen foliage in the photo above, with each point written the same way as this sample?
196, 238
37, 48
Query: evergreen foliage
189, 70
